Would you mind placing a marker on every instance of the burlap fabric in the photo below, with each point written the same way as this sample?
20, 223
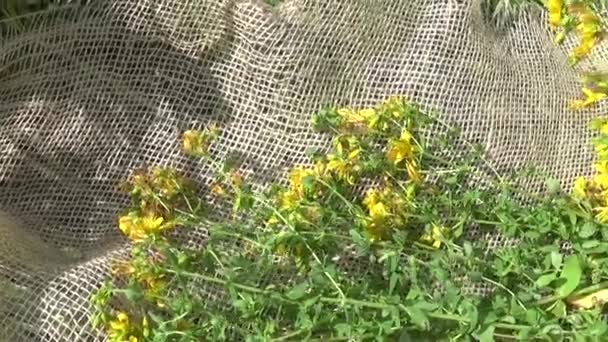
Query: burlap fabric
89, 93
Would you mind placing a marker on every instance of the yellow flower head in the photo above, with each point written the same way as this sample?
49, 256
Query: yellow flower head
352, 116
412, 171
434, 238
217, 190
196, 142
555, 8
580, 188
122, 268
166, 180
193, 143
591, 97
602, 214
288, 200
296, 177
604, 128
401, 149
340, 168
377, 210
584, 47
119, 326
137, 228
601, 179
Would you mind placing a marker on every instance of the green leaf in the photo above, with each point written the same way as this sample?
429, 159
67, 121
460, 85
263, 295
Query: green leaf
546, 279
475, 276
572, 273
308, 183
405, 337
587, 230
426, 306
393, 282
451, 180
297, 292
487, 335
361, 243
590, 244
418, 317
553, 186
468, 248
342, 329
556, 260
558, 309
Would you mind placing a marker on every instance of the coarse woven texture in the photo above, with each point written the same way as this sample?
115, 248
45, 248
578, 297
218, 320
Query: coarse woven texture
89, 93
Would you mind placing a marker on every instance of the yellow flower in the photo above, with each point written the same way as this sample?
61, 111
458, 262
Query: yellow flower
236, 178
133, 339
137, 228
434, 238
377, 210
580, 188
401, 149
288, 200
412, 171
367, 113
166, 180
193, 143
120, 325
296, 177
356, 117
341, 167
217, 190
555, 8
377, 230
602, 214
122, 268
128, 227
591, 98
584, 47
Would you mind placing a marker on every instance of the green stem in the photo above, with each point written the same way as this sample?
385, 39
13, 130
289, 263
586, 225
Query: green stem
586, 290
290, 335
341, 301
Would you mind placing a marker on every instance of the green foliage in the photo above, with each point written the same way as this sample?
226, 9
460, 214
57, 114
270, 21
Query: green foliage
412, 263
502, 13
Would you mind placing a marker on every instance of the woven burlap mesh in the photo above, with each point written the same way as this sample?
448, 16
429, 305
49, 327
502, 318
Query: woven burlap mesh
89, 93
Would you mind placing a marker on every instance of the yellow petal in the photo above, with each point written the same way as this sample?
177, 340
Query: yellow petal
354, 154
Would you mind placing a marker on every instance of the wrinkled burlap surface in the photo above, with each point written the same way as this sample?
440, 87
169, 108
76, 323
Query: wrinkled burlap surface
89, 93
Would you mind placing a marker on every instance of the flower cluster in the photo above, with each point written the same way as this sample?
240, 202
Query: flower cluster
196, 142
595, 189
379, 143
581, 18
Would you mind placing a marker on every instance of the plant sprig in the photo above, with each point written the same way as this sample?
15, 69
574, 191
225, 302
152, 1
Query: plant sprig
372, 241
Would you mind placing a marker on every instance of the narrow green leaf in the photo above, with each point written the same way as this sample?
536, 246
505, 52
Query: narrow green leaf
572, 274
590, 244
392, 282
